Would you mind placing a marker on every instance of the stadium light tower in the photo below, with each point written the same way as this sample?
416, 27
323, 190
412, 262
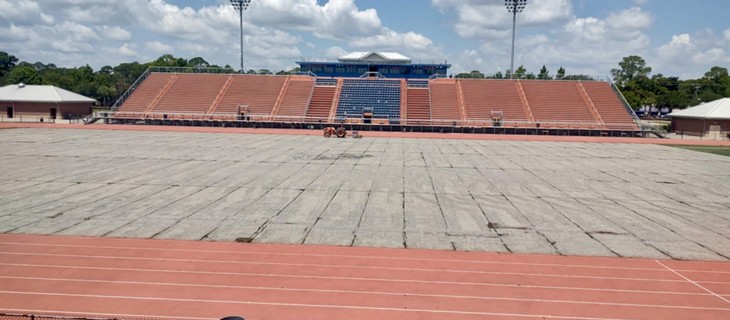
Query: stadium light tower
514, 7
241, 5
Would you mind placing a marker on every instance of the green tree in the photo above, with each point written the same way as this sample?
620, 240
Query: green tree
168, 60
544, 74
520, 73
23, 74
561, 74
198, 62
630, 68
7, 62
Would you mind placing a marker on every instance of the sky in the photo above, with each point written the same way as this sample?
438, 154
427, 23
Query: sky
681, 38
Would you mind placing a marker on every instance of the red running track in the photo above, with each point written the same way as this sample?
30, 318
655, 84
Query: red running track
207, 280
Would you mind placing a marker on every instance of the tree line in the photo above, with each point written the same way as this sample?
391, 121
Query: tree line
633, 77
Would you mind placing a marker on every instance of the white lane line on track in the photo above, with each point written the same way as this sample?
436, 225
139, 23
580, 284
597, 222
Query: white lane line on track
400, 294
370, 257
94, 314
335, 266
692, 282
319, 306
248, 274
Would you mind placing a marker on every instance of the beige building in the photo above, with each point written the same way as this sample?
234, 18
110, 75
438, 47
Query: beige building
42, 102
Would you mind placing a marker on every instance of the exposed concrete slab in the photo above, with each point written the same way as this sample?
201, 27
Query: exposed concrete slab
423, 214
526, 241
306, 208
463, 216
190, 229
576, 244
283, 233
330, 236
501, 213
344, 211
384, 211
627, 245
428, 240
379, 239
478, 243
584, 198
94, 227
234, 230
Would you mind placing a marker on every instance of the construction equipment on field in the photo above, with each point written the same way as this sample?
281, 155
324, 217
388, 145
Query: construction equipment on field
339, 132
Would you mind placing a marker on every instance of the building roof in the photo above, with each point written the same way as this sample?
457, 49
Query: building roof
37, 93
375, 56
718, 109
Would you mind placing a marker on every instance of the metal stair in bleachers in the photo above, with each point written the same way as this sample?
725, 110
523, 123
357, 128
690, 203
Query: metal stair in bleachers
379, 96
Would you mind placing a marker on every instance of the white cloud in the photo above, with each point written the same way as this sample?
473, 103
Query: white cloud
128, 49
335, 52
490, 19
391, 40
691, 55
727, 35
23, 12
115, 33
158, 47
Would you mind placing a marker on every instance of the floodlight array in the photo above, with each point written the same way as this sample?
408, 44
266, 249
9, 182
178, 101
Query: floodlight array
240, 4
515, 6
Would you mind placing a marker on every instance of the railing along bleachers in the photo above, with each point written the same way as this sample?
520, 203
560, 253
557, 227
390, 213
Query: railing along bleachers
552, 101
146, 92
609, 105
444, 101
256, 91
379, 95
483, 97
193, 93
297, 96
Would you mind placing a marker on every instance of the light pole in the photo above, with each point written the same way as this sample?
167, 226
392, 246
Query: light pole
241, 5
514, 7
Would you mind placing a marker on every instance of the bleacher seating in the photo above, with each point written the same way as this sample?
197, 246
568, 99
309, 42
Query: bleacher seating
297, 96
191, 93
569, 104
482, 97
380, 96
556, 101
258, 92
609, 106
444, 100
147, 91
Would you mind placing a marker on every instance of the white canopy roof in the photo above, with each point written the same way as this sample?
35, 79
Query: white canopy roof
36, 93
375, 56
718, 109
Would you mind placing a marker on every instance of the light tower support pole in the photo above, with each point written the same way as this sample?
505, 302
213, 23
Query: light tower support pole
241, 5
240, 16
514, 7
512, 60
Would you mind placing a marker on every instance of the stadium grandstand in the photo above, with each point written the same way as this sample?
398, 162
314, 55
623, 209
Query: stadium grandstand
368, 96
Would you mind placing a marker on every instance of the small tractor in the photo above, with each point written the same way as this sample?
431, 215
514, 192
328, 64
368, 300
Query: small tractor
339, 132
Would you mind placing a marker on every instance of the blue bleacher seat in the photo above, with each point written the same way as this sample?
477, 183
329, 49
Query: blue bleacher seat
382, 96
